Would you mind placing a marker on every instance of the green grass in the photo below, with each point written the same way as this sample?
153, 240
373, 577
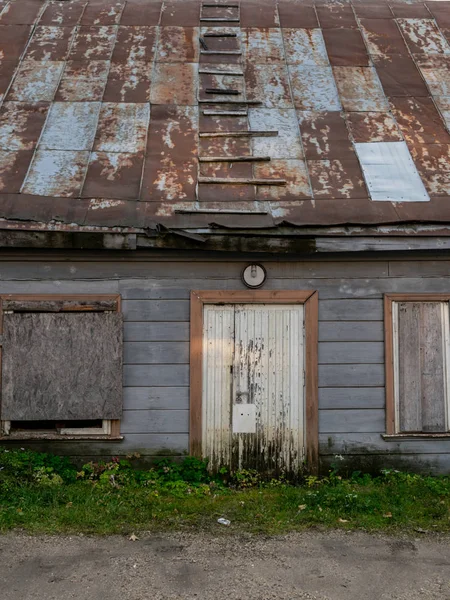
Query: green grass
114, 498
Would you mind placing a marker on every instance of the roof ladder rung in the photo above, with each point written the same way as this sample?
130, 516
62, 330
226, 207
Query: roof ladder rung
227, 101
218, 134
241, 181
233, 159
210, 211
222, 52
222, 91
225, 113
219, 72
213, 5
220, 19
213, 34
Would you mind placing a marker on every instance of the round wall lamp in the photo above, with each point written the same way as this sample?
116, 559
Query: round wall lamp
254, 276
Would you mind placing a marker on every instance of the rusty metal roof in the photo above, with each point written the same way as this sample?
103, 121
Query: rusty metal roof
240, 113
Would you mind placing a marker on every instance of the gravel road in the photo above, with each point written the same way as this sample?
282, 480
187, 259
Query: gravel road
313, 565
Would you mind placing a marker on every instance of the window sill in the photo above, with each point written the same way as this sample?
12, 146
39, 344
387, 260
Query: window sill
58, 437
414, 436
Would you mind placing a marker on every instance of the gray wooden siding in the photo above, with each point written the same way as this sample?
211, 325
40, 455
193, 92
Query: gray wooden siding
155, 294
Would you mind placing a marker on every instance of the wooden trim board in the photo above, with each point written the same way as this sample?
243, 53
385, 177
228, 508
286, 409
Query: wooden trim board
310, 299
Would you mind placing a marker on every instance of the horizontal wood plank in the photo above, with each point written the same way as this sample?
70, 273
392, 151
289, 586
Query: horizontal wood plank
359, 397
350, 310
156, 375
146, 398
351, 421
155, 421
147, 353
363, 443
351, 352
419, 268
142, 331
49, 286
351, 331
432, 464
147, 444
155, 310
189, 269
368, 375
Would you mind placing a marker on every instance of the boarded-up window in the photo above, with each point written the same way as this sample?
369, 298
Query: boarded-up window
421, 353
63, 366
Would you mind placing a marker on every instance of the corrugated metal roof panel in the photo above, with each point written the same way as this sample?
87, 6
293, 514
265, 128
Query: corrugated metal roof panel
122, 128
70, 126
63, 13
443, 104
314, 88
286, 144
390, 172
50, 42
114, 175
436, 72
93, 43
56, 173
36, 81
79, 79
128, 82
346, 48
263, 45
305, 47
383, 37
83, 82
433, 164
336, 179
325, 135
360, 89
373, 127
268, 83
21, 125
423, 36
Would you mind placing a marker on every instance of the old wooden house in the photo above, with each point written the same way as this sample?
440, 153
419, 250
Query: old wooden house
225, 230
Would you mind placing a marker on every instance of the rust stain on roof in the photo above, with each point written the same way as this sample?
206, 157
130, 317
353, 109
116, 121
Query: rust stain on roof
83, 82
423, 36
56, 173
360, 89
128, 82
433, 164
337, 179
50, 43
122, 128
102, 103
305, 47
21, 124
36, 81
373, 127
325, 135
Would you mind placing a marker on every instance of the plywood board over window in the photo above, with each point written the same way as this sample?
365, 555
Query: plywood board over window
417, 365
61, 366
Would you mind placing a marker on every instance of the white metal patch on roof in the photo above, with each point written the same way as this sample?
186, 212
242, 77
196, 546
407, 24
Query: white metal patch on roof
390, 172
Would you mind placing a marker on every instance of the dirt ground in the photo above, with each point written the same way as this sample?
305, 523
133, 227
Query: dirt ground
313, 565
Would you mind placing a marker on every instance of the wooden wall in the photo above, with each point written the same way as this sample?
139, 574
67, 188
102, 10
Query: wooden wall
155, 291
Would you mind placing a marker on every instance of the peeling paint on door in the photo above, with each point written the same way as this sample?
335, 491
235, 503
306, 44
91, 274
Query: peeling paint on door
253, 387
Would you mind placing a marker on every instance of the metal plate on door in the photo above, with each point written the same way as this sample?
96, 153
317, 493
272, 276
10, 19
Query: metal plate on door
244, 418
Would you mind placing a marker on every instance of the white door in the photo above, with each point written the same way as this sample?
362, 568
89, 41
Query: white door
253, 387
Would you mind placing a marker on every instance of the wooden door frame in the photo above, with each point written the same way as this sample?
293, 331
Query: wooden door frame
310, 300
